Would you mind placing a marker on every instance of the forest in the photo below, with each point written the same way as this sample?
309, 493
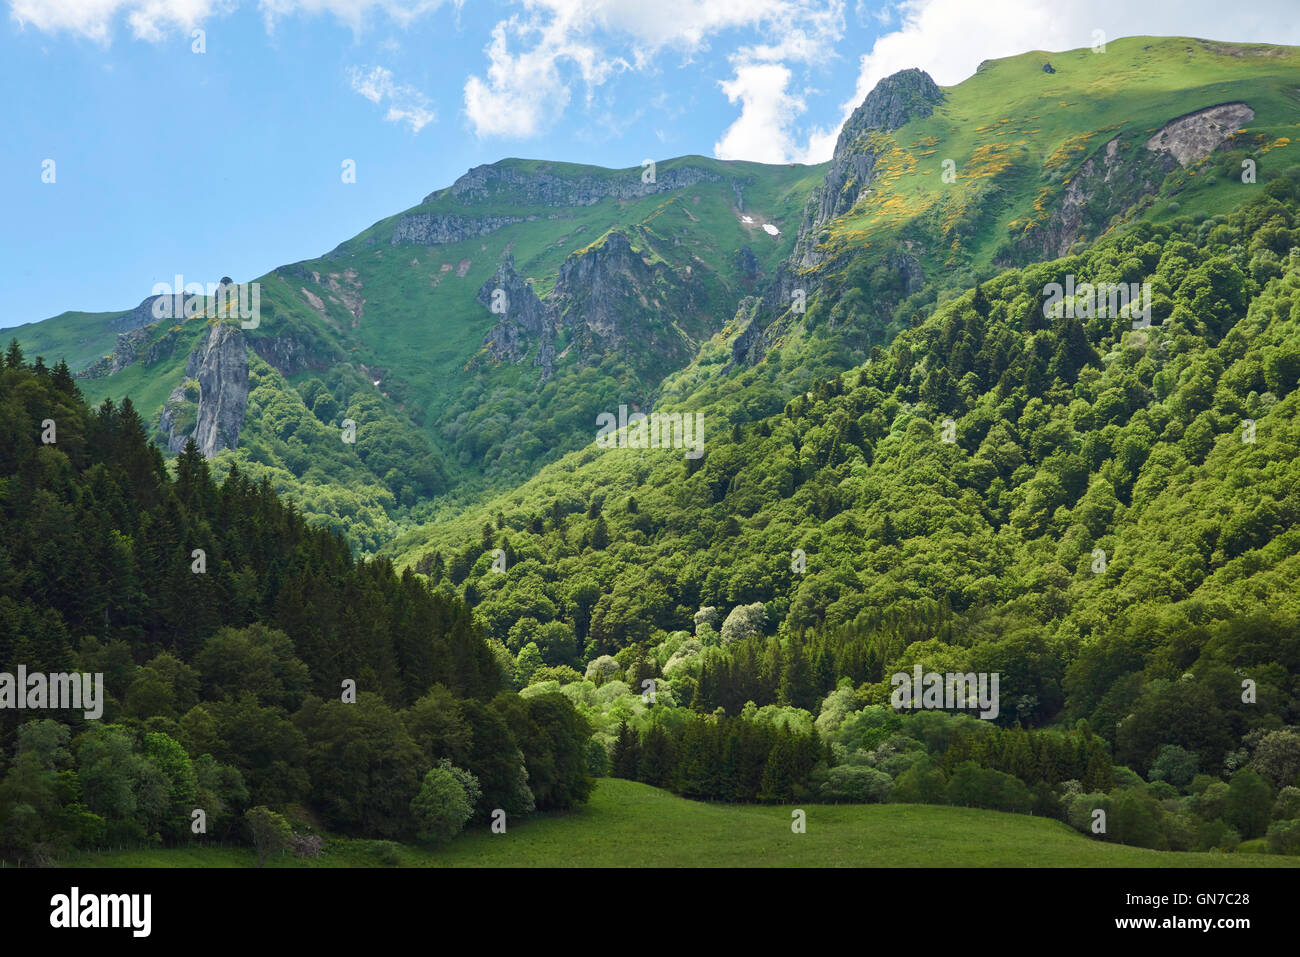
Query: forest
1103, 515
254, 670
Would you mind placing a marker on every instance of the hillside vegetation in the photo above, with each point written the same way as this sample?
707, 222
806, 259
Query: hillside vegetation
632, 825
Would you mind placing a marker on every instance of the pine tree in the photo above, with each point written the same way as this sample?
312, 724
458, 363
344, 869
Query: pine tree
657, 762
796, 681
627, 753
1099, 776
63, 381
779, 774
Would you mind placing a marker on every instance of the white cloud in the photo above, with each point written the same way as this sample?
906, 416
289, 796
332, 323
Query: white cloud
354, 13
765, 130
149, 20
406, 104
761, 133
153, 20
536, 57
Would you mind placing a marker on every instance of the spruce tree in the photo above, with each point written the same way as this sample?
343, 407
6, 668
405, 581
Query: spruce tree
626, 754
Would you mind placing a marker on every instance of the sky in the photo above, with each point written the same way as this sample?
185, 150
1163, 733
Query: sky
144, 139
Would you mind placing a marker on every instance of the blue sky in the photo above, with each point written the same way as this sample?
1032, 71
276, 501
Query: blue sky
228, 162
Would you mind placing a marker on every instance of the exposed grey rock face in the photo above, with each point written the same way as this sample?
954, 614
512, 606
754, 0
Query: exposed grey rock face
1108, 182
220, 365
749, 339
895, 100
593, 286
176, 407
748, 263
289, 354
543, 187
434, 229
1119, 174
604, 296
142, 315
517, 301
521, 318
1195, 136
143, 344
503, 183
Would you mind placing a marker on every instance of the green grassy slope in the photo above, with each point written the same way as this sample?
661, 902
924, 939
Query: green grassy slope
1011, 127
78, 337
633, 825
404, 320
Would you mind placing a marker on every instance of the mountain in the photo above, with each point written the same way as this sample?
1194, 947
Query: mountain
610, 280
1008, 388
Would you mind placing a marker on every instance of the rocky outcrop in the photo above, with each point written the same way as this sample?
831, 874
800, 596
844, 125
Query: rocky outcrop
143, 344
521, 318
142, 315
544, 186
747, 263
606, 297
1195, 136
1107, 183
506, 183
290, 354
435, 229
220, 366
896, 99
596, 285
178, 415
749, 340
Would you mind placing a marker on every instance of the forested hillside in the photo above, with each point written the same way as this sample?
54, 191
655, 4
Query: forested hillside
365, 566
1110, 528
248, 660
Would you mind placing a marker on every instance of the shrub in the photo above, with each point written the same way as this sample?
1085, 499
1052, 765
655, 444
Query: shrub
1284, 837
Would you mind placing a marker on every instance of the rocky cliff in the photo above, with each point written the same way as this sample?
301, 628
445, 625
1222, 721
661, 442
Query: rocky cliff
219, 366
895, 100
521, 317
545, 186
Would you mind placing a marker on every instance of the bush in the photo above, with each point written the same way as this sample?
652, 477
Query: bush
1284, 837
922, 783
387, 853
1138, 820
1287, 805
1216, 835
743, 622
445, 802
270, 832
1175, 765
1248, 805
973, 786
1079, 810
852, 784
1126, 778
597, 759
